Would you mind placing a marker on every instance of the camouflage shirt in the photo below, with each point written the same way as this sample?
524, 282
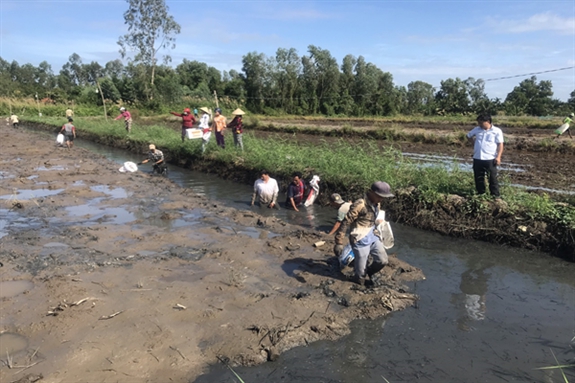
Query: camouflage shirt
360, 219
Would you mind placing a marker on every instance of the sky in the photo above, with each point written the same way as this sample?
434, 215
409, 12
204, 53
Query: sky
427, 40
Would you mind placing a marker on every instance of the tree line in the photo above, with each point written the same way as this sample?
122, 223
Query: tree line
314, 83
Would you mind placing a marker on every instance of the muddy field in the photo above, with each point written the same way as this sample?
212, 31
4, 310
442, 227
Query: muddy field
109, 277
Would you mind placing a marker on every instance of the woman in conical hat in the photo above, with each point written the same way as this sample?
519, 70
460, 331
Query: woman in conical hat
237, 128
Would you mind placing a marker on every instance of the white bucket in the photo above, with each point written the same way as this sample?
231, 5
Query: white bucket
60, 139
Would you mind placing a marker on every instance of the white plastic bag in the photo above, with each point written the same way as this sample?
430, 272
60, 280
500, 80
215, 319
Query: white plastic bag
60, 139
129, 167
384, 229
314, 184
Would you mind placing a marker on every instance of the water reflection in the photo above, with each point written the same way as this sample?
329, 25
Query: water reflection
471, 301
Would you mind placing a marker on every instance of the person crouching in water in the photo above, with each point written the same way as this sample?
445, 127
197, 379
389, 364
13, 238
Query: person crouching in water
295, 192
364, 238
188, 121
69, 131
237, 128
157, 158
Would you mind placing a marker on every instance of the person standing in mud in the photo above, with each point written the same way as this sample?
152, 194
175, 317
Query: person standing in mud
265, 190
69, 131
487, 140
295, 192
237, 128
127, 119
205, 126
342, 207
188, 121
157, 158
364, 237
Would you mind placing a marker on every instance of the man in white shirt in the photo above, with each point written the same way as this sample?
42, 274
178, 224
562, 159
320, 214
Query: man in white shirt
487, 150
266, 190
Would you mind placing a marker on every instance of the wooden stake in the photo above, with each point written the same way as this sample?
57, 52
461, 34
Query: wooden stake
216, 97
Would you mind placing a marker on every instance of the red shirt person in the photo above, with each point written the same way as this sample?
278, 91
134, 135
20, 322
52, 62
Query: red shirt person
295, 192
188, 121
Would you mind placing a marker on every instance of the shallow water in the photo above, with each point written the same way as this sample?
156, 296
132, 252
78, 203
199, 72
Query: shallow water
10, 289
487, 313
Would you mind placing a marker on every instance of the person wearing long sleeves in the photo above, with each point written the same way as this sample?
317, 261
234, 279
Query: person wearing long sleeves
127, 118
188, 121
237, 128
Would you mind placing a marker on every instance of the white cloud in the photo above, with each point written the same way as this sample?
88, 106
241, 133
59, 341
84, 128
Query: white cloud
546, 21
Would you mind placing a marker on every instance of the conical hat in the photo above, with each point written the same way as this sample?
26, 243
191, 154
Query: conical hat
205, 110
238, 112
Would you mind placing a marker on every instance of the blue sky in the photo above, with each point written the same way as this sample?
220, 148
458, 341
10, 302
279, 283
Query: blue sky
413, 40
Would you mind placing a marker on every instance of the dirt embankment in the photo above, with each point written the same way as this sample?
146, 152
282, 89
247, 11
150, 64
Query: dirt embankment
130, 277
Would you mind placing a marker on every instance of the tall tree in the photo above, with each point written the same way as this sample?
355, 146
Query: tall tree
530, 97
420, 97
150, 28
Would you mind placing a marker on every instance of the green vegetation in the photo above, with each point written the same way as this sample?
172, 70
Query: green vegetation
340, 165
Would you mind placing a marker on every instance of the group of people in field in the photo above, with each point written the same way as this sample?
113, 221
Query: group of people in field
359, 220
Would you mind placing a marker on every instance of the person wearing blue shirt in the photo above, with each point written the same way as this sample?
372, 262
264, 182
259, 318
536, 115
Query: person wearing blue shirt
487, 140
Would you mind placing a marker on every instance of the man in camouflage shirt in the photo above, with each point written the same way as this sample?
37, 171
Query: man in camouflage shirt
157, 158
364, 238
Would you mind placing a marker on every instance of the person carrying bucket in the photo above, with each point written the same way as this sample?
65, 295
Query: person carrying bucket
237, 128
565, 127
364, 237
188, 121
127, 118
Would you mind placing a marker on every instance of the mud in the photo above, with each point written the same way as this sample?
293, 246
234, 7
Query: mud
130, 277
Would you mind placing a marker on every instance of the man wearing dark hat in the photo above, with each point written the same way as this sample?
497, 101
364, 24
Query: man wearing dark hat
342, 207
364, 238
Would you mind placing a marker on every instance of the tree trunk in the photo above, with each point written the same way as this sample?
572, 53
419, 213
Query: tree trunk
103, 102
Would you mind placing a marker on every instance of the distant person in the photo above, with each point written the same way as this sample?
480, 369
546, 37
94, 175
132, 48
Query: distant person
237, 128
69, 113
188, 121
364, 237
565, 127
13, 119
196, 114
342, 207
69, 131
157, 158
205, 126
295, 192
218, 126
127, 119
487, 151
265, 190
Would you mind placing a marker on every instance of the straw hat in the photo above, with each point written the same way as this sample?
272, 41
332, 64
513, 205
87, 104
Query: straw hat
238, 112
205, 110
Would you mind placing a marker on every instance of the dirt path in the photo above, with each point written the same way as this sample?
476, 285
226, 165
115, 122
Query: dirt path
131, 277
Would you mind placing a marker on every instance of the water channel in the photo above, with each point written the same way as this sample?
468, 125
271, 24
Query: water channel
486, 313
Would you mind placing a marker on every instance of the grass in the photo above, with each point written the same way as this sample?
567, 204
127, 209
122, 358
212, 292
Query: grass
558, 366
340, 165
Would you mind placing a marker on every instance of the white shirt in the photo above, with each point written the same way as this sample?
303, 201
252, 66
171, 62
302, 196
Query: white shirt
486, 142
266, 191
205, 121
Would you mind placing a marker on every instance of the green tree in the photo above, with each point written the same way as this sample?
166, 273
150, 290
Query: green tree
452, 97
530, 97
255, 71
420, 98
150, 28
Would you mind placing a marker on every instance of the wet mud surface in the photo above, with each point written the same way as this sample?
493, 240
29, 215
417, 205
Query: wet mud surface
109, 277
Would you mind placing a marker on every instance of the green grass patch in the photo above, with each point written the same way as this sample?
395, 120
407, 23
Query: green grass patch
341, 166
